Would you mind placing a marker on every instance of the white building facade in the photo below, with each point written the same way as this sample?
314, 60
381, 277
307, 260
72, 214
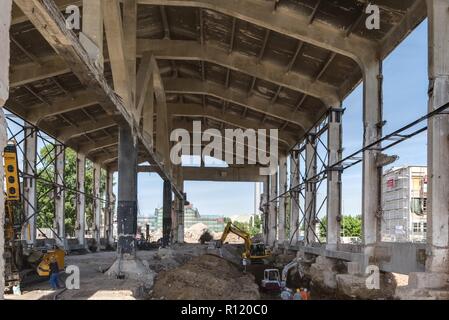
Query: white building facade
404, 204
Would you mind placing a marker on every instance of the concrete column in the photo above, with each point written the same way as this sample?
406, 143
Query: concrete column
372, 174
3, 142
282, 201
294, 210
272, 210
438, 139
97, 203
127, 193
166, 214
110, 208
334, 145
180, 208
92, 36
5, 21
266, 208
29, 185
81, 199
310, 192
60, 196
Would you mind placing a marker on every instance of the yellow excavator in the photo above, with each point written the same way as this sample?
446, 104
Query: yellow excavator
253, 251
20, 261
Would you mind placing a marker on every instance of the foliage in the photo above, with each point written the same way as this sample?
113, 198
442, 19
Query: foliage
350, 227
46, 192
253, 226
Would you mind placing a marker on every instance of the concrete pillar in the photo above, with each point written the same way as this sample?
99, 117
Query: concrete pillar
266, 208
60, 195
180, 208
127, 193
272, 210
81, 199
96, 203
334, 145
310, 190
29, 185
110, 209
294, 210
5, 21
166, 214
438, 139
3, 142
372, 174
282, 201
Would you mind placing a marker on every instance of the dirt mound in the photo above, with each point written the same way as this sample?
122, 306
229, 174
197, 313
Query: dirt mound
206, 278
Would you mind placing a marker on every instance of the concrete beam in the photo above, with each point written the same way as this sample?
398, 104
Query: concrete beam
196, 110
77, 101
91, 147
230, 174
50, 66
278, 111
87, 127
416, 14
94, 31
286, 22
191, 50
113, 23
49, 21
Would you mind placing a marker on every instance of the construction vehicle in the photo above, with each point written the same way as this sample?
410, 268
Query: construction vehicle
254, 252
21, 261
272, 281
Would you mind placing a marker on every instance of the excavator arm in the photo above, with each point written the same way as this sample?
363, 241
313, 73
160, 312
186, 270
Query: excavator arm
231, 228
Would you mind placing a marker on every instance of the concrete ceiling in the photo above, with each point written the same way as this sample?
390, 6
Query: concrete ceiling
234, 64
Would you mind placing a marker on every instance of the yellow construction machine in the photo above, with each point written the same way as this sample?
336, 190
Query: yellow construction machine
253, 251
20, 261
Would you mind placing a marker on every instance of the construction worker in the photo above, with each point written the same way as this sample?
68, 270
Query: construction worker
304, 294
54, 273
286, 294
297, 295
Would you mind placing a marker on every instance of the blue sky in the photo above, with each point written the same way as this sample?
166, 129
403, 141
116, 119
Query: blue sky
405, 99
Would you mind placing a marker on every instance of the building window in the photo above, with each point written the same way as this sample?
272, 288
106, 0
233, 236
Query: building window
416, 227
417, 206
424, 226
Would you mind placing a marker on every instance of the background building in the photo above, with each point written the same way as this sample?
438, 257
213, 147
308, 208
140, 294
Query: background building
404, 204
192, 216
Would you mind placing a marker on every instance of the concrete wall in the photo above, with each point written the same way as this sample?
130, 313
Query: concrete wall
5, 21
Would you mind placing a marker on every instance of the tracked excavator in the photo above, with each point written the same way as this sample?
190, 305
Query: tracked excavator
255, 252
20, 261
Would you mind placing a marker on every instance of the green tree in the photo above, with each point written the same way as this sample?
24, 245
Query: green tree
350, 227
46, 191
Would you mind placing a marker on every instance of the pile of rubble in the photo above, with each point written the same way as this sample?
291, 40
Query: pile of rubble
206, 277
